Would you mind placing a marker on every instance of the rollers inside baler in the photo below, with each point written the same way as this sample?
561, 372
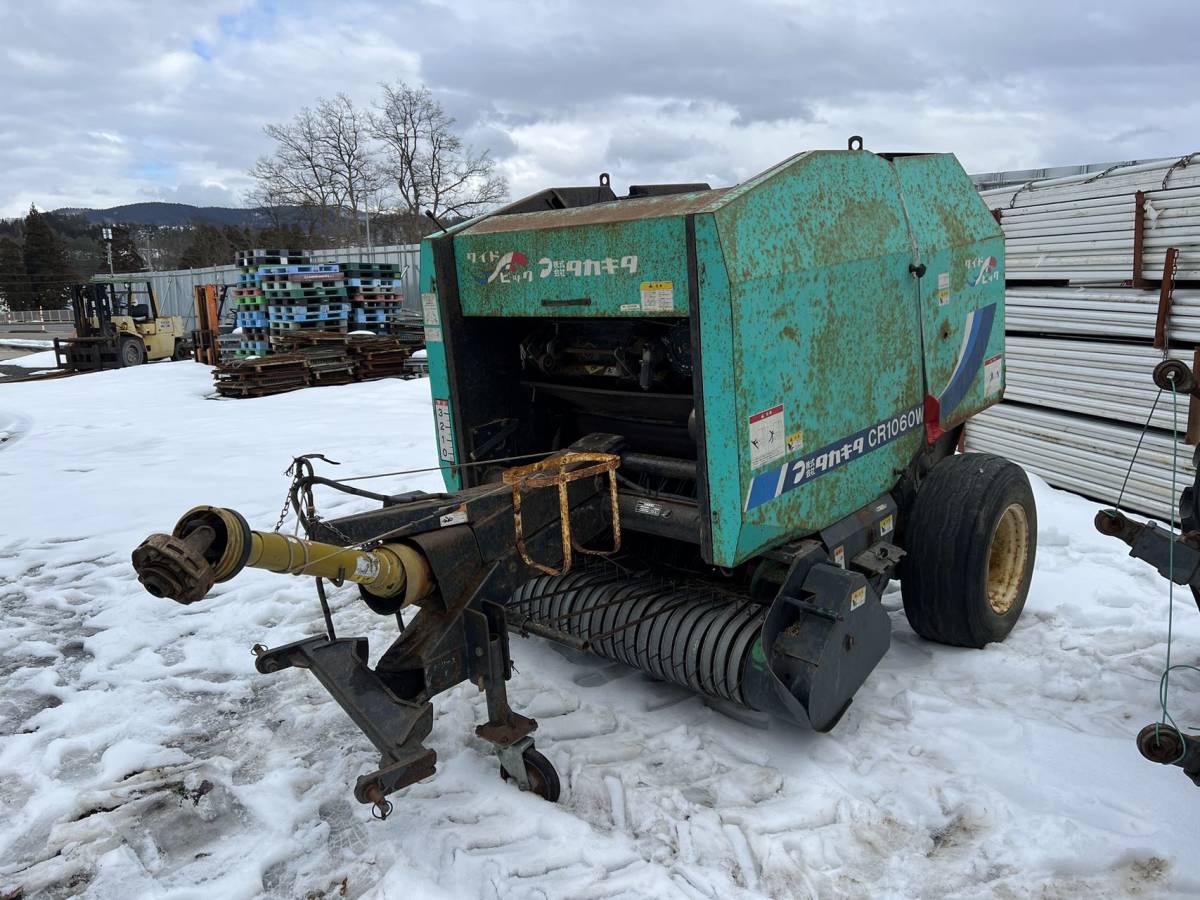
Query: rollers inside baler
743, 405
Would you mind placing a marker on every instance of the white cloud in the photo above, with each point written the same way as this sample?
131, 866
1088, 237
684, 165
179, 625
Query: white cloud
117, 101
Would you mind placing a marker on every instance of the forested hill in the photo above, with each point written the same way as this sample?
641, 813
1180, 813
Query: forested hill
171, 214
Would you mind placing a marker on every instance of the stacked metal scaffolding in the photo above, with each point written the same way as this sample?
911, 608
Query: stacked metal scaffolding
1101, 379
1112, 226
1127, 313
1088, 455
1102, 271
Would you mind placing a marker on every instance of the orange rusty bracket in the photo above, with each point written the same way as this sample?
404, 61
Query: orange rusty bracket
554, 472
1165, 291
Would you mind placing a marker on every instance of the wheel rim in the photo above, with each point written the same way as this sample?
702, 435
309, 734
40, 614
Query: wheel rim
1008, 558
131, 354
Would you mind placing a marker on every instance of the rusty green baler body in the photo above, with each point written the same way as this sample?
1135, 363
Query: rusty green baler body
819, 363
741, 406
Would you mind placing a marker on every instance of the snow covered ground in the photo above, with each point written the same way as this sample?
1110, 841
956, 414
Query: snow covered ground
41, 359
142, 756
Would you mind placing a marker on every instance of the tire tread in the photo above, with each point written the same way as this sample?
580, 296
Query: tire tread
947, 535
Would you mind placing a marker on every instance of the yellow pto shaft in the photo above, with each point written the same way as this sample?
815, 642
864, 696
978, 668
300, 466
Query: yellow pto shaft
210, 544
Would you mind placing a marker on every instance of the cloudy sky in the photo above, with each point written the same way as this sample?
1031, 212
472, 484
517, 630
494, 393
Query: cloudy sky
116, 101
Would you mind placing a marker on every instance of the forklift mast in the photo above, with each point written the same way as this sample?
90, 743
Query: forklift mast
91, 309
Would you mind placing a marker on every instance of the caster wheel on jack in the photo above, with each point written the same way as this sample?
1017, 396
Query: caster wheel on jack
539, 773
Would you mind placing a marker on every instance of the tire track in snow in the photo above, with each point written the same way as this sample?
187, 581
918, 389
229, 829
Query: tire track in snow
143, 755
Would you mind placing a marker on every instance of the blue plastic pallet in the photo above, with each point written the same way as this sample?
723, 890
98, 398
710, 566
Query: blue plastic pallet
372, 316
251, 320
309, 317
295, 270
337, 310
371, 282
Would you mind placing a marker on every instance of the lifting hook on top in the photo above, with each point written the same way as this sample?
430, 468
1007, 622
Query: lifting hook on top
855, 142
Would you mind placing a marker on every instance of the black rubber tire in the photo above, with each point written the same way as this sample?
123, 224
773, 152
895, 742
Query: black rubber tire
131, 352
182, 351
543, 777
949, 536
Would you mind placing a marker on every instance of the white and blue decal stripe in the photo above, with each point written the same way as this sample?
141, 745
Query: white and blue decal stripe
776, 482
977, 333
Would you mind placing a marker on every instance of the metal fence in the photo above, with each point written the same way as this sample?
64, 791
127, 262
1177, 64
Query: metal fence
35, 317
174, 289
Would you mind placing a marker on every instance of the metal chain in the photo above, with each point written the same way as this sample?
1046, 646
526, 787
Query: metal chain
1110, 169
1182, 163
296, 471
371, 542
338, 533
287, 496
1012, 201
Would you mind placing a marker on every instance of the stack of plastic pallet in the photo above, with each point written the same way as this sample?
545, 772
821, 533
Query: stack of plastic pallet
304, 297
376, 293
1101, 271
250, 308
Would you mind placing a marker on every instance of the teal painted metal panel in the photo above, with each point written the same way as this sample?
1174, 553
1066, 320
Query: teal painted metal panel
617, 259
439, 376
716, 354
810, 324
825, 346
962, 292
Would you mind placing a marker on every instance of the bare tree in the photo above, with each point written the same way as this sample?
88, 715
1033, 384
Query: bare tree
266, 197
322, 162
344, 141
425, 163
295, 174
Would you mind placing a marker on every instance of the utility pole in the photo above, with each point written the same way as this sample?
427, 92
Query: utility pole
149, 252
106, 234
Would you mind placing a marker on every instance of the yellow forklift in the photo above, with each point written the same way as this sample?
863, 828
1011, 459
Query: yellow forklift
117, 324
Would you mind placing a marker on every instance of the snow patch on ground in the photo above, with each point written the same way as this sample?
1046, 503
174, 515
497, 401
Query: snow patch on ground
42, 360
141, 755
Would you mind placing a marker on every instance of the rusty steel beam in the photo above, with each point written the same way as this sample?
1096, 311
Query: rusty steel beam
1139, 236
1165, 291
